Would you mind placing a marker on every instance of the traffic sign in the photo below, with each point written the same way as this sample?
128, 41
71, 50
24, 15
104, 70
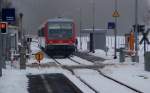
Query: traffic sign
115, 14
29, 39
8, 15
111, 25
141, 28
145, 38
39, 56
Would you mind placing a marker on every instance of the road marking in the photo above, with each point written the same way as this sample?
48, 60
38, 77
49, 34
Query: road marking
48, 88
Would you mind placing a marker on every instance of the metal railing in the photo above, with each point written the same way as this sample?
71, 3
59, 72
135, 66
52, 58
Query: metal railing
110, 43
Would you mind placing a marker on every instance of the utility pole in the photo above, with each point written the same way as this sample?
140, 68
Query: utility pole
93, 27
136, 31
22, 47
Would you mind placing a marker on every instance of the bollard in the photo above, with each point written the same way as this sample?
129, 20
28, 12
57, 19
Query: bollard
147, 61
122, 55
135, 58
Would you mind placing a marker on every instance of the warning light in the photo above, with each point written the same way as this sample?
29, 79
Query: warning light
3, 27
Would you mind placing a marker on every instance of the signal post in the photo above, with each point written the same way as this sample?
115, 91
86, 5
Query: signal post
39, 56
115, 15
3, 32
3, 27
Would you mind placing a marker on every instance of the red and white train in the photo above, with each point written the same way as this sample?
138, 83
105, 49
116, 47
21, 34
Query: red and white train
57, 37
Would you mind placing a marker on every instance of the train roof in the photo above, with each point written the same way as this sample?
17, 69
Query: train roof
60, 20
56, 20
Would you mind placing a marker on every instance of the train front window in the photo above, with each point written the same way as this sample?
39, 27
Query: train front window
60, 31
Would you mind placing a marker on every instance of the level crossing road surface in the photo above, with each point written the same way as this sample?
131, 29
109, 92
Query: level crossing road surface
91, 78
88, 57
51, 83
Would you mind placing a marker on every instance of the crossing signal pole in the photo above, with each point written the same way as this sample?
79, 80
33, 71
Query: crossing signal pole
115, 15
4, 33
22, 47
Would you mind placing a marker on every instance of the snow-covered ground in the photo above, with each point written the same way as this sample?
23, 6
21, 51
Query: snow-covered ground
130, 73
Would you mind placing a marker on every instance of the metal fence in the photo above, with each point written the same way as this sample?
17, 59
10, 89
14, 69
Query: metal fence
110, 43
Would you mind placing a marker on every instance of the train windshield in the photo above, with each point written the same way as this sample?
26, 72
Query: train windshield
60, 30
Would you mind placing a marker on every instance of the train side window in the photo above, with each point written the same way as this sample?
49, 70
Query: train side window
42, 32
39, 33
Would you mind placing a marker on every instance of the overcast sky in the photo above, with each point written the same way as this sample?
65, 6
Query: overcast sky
37, 11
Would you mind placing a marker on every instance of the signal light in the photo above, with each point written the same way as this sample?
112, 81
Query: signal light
3, 27
141, 28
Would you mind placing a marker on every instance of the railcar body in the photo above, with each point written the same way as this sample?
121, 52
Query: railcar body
58, 37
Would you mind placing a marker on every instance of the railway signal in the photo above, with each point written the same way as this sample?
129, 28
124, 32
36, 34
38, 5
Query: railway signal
3, 27
140, 28
115, 14
29, 39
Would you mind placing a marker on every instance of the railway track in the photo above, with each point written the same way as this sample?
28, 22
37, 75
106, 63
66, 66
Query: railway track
71, 69
60, 64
